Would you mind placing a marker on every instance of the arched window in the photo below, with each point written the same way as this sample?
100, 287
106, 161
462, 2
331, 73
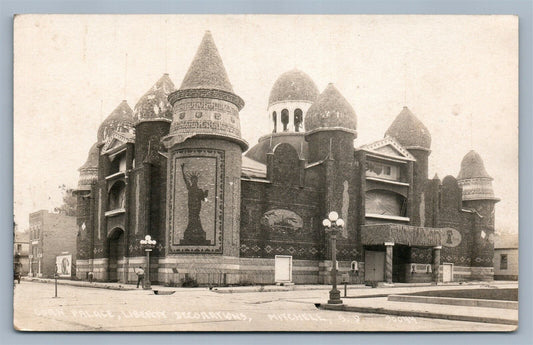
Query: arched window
275, 120
285, 119
298, 118
117, 195
386, 203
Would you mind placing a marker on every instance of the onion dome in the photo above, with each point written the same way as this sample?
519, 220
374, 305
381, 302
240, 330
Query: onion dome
205, 105
154, 105
409, 131
474, 179
89, 170
293, 85
331, 111
120, 120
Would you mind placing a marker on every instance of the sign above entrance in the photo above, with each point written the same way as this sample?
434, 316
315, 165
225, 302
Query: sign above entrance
377, 234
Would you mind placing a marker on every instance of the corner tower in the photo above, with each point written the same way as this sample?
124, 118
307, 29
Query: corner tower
85, 210
204, 160
152, 115
478, 196
411, 133
330, 127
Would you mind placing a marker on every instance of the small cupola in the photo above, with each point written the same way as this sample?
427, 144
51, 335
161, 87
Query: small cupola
474, 179
290, 98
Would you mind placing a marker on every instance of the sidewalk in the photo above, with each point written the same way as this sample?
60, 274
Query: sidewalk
353, 291
380, 305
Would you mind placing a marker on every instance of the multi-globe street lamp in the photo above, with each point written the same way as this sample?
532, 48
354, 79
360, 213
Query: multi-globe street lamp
333, 225
148, 245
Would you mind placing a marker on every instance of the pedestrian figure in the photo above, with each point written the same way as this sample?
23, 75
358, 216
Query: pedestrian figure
91, 276
140, 276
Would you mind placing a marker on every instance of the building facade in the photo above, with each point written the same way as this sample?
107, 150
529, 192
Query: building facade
51, 235
175, 167
506, 257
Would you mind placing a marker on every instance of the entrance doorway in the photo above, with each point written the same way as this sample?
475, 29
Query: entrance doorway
401, 257
116, 252
447, 272
374, 266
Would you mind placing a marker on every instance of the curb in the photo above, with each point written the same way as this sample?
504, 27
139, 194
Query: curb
80, 284
429, 315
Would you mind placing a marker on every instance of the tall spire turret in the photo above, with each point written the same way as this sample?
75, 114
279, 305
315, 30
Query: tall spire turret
205, 104
205, 156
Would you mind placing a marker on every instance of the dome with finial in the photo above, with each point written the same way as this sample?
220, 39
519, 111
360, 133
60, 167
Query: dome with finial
409, 131
293, 85
120, 120
330, 111
474, 179
154, 104
89, 170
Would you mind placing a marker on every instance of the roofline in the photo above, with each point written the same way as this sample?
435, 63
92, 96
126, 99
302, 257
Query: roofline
421, 148
331, 129
155, 119
289, 100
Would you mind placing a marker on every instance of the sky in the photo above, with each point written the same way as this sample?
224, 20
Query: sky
457, 74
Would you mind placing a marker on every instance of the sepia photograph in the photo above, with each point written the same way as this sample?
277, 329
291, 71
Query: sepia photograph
252, 173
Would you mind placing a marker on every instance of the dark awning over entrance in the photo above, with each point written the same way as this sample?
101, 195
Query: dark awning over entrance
378, 234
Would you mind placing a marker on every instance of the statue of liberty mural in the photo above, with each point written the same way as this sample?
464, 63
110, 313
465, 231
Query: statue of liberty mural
194, 234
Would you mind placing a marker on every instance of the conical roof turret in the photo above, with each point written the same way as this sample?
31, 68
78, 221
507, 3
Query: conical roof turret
205, 105
207, 70
120, 120
154, 104
409, 131
474, 179
330, 111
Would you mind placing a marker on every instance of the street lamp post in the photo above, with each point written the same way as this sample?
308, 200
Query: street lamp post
333, 225
148, 245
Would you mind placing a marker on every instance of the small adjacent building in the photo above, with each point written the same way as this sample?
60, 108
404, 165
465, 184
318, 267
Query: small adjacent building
52, 235
21, 252
506, 257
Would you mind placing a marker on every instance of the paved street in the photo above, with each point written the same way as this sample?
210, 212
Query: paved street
198, 309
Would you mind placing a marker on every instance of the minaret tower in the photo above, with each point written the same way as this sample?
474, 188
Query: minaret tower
204, 160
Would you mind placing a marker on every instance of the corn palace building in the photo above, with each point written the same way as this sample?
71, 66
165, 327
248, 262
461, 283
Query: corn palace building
176, 167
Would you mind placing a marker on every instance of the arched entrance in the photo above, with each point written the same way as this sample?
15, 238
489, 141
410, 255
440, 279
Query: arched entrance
117, 251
